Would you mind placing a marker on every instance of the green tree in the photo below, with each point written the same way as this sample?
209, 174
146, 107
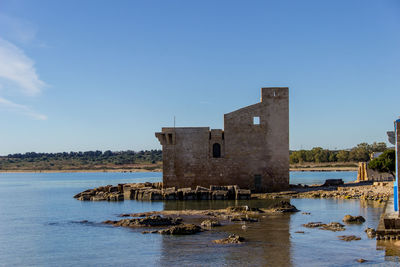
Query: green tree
385, 162
343, 156
361, 152
378, 147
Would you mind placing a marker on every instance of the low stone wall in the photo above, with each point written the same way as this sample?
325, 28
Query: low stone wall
155, 191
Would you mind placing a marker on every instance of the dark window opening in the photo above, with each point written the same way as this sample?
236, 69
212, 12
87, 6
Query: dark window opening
257, 182
209, 135
223, 136
216, 150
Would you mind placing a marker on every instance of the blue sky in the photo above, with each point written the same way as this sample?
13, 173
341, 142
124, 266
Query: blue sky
87, 75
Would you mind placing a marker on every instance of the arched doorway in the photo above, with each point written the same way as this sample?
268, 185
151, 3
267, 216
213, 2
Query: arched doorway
216, 150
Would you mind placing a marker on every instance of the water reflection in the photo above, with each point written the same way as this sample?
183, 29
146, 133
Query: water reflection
268, 241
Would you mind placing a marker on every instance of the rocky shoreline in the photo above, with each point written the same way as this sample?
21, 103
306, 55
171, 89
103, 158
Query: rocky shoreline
378, 191
155, 191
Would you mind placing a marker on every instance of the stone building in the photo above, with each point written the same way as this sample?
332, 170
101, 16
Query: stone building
252, 151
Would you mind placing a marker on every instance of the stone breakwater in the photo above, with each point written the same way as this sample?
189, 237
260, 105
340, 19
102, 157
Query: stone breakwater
155, 191
379, 191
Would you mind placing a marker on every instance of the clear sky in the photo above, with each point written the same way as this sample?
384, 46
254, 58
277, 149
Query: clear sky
87, 75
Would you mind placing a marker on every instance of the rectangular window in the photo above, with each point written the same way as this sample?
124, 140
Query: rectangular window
256, 120
257, 182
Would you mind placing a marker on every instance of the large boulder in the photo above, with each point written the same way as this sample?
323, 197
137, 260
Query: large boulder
371, 233
242, 194
353, 219
232, 239
181, 192
333, 226
284, 206
116, 196
220, 195
210, 223
151, 221
203, 193
113, 189
182, 229
152, 194
169, 193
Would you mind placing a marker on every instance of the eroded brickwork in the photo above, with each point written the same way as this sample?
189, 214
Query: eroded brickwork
252, 151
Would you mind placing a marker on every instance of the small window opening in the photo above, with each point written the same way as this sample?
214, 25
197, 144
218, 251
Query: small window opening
256, 120
216, 150
170, 138
209, 135
274, 93
223, 136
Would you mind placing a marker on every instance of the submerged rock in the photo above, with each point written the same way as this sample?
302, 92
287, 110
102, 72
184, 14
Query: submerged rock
182, 229
151, 221
210, 223
243, 209
348, 238
243, 218
353, 219
150, 232
232, 239
313, 224
333, 226
361, 260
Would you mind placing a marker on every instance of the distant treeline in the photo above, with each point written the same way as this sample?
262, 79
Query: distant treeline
362, 152
76, 160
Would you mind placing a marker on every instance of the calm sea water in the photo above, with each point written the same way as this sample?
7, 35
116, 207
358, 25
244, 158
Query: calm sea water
39, 226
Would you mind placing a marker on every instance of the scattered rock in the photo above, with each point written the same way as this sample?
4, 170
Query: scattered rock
306, 213
333, 226
284, 206
313, 224
243, 209
348, 238
182, 229
243, 218
150, 232
299, 232
210, 223
232, 239
151, 221
371, 233
361, 260
353, 219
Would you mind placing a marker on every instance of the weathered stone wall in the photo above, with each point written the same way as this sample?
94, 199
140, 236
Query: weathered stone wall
366, 174
252, 156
